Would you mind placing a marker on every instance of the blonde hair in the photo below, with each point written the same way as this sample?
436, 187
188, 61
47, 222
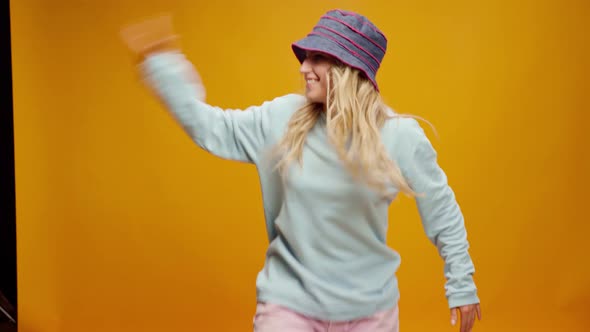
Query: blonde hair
355, 113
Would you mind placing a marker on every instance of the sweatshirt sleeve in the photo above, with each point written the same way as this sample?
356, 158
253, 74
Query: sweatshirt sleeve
230, 134
441, 215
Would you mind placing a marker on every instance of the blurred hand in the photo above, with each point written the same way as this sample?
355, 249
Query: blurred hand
151, 35
156, 35
468, 313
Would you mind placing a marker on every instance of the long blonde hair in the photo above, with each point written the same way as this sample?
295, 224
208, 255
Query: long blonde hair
355, 113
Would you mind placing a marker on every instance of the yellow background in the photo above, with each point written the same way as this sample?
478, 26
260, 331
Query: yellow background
124, 225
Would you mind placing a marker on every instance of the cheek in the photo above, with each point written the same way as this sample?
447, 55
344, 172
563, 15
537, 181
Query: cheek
324, 79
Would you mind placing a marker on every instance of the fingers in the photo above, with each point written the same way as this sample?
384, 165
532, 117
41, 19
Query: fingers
472, 323
453, 316
143, 36
150, 25
467, 318
464, 320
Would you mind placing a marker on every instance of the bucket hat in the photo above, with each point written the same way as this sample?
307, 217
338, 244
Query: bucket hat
349, 37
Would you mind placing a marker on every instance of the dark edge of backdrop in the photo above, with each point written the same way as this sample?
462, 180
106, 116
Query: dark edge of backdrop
8, 274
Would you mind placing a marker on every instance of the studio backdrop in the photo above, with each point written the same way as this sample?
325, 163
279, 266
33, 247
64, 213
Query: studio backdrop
125, 225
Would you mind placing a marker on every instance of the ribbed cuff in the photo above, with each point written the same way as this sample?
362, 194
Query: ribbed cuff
461, 299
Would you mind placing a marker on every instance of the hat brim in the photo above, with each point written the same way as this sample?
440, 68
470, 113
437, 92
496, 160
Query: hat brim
318, 44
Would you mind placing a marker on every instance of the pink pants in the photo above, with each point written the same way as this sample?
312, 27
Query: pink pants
275, 318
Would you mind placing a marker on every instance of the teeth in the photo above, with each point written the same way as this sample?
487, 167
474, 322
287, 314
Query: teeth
311, 81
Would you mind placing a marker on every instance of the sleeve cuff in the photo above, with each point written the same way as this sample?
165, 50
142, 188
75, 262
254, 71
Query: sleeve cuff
462, 299
156, 61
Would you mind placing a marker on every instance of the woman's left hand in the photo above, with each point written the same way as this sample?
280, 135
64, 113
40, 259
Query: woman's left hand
468, 313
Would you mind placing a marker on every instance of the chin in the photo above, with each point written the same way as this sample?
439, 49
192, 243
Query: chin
315, 99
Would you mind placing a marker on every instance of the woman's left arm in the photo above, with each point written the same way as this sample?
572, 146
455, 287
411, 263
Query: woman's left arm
442, 220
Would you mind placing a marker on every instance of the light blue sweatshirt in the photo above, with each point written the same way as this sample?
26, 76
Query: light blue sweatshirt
327, 256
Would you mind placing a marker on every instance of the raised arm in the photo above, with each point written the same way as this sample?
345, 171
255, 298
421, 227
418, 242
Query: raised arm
230, 134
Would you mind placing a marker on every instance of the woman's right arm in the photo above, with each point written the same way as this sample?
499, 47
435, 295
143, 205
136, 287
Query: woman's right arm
229, 134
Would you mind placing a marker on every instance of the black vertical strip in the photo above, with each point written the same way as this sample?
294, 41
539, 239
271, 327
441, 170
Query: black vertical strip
7, 180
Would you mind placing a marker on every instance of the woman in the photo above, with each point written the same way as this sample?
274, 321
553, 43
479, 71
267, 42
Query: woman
330, 163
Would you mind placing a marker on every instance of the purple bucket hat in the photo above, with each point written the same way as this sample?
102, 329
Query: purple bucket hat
348, 37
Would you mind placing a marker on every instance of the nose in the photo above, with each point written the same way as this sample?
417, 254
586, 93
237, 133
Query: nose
305, 67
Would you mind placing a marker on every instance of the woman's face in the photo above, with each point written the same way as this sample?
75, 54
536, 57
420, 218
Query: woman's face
315, 69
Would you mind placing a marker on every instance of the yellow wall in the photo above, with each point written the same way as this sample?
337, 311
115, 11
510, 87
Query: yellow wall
124, 225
